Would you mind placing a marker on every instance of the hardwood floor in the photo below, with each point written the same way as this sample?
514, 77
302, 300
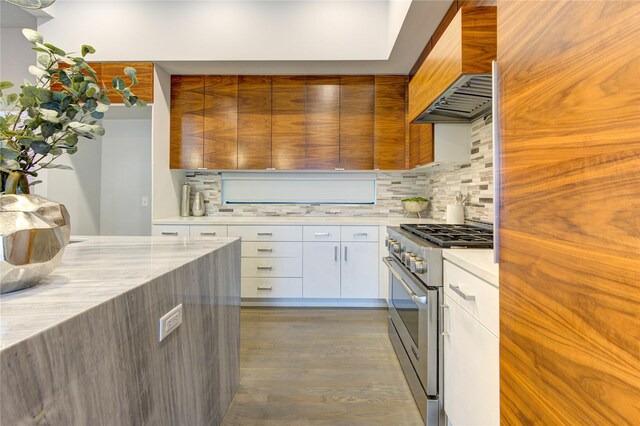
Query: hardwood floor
319, 367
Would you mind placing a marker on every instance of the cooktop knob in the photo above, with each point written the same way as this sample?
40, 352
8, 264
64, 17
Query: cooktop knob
419, 267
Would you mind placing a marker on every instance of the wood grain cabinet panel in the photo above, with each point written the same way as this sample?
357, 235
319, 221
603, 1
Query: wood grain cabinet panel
187, 121
221, 122
254, 122
287, 121
356, 122
420, 145
143, 90
467, 46
569, 241
389, 122
322, 122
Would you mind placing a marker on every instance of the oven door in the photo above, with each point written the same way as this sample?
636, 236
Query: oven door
413, 310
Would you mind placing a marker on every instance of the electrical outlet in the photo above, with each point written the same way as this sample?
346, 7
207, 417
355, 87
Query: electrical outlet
169, 322
145, 201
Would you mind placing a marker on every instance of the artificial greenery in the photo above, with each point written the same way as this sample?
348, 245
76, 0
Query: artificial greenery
417, 199
47, 117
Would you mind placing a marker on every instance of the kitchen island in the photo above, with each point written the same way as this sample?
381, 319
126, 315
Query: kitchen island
83, 346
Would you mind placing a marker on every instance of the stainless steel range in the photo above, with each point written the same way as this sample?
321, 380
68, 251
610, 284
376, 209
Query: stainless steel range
415, 300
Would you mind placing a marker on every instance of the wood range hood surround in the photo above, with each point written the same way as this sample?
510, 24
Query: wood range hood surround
462, 57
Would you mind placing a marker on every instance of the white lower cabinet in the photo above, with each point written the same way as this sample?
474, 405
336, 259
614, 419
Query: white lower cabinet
359, 270
321, 270
170, 230
271, 287
471, 355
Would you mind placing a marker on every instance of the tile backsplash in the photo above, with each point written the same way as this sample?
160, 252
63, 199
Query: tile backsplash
391, 187
474, 178
439, 185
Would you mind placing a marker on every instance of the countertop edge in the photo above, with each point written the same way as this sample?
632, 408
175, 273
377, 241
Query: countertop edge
476, 261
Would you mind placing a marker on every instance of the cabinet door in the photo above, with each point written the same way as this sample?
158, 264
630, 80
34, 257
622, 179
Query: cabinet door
471, 369
221, 122
187, 121
321, 270
389, 122
322, 122
254, 122
420, 144
287, 121
359, 270
356, 122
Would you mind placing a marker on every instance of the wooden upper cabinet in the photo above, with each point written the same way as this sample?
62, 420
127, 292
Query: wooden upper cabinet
287, 121
143, 90
420, 145
389, 122
467, 46
187, 121
356, 122
254, 122
322, 122
221, 122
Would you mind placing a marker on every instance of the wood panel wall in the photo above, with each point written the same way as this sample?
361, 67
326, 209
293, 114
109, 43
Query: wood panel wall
144, 72
220, 122
570, 221
356, 122
254, 122
287, 121
187, 121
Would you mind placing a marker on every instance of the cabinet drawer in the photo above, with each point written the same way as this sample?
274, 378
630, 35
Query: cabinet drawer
272, 267
170, 230
359, 233
321, 233
481, 300
266, 233
272, 287
271, 249
207, 231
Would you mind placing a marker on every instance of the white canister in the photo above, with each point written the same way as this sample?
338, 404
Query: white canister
455, 214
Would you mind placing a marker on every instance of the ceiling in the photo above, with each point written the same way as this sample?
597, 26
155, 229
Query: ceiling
250, 36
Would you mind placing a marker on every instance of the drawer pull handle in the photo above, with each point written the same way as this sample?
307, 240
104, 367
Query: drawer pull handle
173, 234
360, 234
265, 234
265, 268
208, 234
456, 289
321, 234
263, 250
265, 288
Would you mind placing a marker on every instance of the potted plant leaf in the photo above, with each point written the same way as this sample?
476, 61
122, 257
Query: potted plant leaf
43, 120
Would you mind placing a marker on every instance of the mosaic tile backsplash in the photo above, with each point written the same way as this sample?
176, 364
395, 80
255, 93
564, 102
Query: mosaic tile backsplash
474, 178
391, 187
440, 186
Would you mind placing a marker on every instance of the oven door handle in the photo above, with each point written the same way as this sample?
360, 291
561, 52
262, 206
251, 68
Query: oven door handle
416, 299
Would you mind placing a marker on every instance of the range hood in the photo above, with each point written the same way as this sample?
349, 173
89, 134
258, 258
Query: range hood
468, 98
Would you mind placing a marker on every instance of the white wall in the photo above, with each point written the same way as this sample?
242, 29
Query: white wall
126, 178
78, 190
15, 51
165, 182
321, 30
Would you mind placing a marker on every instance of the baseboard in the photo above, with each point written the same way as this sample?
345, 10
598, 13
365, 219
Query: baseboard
316, 303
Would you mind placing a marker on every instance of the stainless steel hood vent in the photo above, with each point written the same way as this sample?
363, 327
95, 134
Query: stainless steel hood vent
468, 98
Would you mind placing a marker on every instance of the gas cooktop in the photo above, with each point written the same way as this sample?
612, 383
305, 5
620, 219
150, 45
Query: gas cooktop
448, 236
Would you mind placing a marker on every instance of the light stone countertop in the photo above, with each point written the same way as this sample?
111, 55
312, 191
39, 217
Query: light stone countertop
292, 220
477, 261
93, 271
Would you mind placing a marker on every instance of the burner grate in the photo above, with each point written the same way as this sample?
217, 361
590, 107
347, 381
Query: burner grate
452, 235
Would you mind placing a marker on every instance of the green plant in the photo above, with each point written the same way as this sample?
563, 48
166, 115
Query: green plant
47, 117
416, 199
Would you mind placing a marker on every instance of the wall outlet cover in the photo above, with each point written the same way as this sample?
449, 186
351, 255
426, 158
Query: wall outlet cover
169, 322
